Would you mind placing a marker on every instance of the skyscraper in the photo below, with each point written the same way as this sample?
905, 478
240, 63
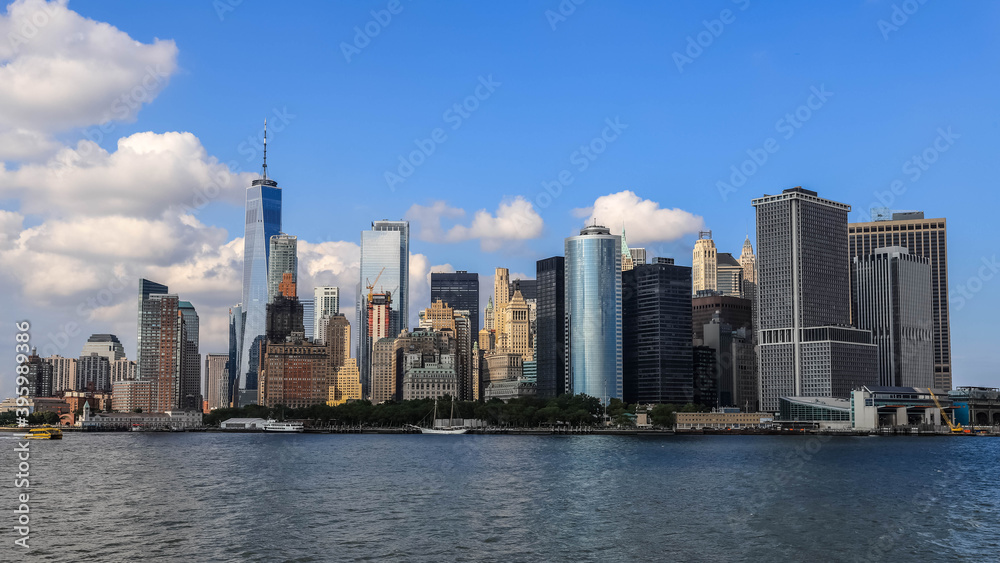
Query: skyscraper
892, 298
326, 302
282, 259
501, 296
236, 320
460, 290
703, 263
807, 345
263, 221
729, 275
638, 256
308, 317
191, 375
146, 288
385, 254
594, 311
161, 356
216, 380
926, 238
656, 339
93, 373
106, 345
550, 342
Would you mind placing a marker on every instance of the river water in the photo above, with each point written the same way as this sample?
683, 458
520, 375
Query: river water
274, 497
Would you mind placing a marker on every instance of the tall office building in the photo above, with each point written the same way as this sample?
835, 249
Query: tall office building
106, 345
236, 320
308, 317
807, 345
326, 302
122, 370
656, 319
39, 376
460, 290
749, 262
385, 255
216, 380
704, 260
338, 340
594, 313
501, 296
63, 373
283, 258
550, 340
162, 355
638, 256
892, 298
517, 328
926, 238
146, 288
734, 311
729, 275
191, 380
263, 221
93, 373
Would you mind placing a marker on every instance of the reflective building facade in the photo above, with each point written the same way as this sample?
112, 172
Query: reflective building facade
263, 221
594, 313
656, 317
385, 250
550, 339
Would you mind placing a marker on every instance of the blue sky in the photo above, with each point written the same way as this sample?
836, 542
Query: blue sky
890, 93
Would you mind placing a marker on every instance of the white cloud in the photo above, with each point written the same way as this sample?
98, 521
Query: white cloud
10, 225
420, 284
60, 70
514, 220
147, 173
644, 220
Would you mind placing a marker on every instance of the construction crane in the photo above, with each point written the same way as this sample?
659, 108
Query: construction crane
957, 428
371, 286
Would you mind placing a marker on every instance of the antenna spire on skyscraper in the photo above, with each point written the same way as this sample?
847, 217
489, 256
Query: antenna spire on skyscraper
264, 173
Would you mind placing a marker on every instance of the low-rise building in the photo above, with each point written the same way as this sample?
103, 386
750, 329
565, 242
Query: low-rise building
243, 424
98, 401
825, 413
511, 389
170, 420
723, 420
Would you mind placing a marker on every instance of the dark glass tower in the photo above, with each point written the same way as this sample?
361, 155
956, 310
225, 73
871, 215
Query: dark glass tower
460, 290
263, 220
656, 319
550, 340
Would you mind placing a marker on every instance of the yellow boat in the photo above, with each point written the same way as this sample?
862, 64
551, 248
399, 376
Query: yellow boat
44, 434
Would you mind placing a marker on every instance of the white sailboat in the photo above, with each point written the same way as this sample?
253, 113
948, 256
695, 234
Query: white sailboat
444, 429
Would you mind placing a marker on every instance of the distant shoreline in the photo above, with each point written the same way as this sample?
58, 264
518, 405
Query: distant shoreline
545, 432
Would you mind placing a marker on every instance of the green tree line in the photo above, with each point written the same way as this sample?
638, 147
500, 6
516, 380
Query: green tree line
526, 412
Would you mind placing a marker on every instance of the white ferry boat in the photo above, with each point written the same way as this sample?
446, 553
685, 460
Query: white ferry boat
275, 426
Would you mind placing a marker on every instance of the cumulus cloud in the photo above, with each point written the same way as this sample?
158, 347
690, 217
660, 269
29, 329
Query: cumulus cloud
644, 219
514, 220
420, 284
60, 70
147, 173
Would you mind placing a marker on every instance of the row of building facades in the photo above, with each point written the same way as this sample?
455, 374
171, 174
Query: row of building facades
823, 308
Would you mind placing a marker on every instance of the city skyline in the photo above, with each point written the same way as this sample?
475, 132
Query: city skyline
471, 170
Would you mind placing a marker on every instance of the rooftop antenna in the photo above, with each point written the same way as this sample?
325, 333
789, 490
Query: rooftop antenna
264, 173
